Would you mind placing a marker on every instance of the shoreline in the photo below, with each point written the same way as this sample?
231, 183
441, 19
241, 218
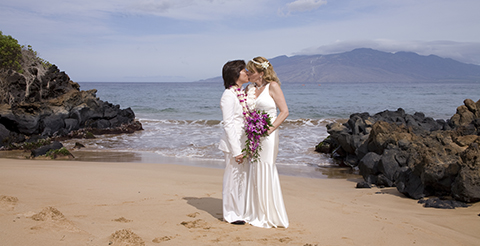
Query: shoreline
96, 203
95, 155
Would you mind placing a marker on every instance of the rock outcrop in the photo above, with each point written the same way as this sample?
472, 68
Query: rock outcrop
45, 102
417, 154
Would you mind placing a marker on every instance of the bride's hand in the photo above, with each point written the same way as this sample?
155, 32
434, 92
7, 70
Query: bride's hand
239, 159
271, 130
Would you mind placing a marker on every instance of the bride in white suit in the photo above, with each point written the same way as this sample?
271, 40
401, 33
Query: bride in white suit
232, 142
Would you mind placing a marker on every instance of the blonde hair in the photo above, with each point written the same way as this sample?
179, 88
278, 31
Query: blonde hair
269, 74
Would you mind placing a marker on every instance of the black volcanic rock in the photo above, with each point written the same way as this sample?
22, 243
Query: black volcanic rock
442, 203
44, 149
418, 155
45, 102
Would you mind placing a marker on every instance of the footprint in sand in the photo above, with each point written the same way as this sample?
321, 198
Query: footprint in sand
51, 218
285, 240
196, 224
162, 239
122, 220
193, 215
126, 237
8, 202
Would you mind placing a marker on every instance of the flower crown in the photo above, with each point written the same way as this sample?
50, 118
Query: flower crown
264, 64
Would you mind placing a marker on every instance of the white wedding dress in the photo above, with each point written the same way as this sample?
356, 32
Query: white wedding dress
264, 201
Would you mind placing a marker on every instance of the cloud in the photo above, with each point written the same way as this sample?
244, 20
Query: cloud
187, 40
55, 9
467, 52
157, 6
304, 5
104, 9
192, 9
180, 9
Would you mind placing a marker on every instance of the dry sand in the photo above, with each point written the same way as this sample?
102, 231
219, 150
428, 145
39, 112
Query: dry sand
45, 202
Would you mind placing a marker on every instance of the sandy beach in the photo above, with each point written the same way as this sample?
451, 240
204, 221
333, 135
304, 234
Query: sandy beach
62, 202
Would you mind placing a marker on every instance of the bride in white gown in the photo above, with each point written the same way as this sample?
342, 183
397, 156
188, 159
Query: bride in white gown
264, 202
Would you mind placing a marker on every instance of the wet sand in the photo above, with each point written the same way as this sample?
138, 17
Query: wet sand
95, 155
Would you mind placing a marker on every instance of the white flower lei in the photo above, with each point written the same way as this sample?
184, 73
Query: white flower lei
241, 97
251, 97
247, 100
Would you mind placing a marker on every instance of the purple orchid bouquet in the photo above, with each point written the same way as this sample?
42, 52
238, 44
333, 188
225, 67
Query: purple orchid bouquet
257, 124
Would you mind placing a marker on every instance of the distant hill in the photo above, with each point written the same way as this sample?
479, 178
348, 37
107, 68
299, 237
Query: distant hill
368, 65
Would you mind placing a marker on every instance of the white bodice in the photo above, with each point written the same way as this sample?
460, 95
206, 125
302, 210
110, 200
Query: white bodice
265, 102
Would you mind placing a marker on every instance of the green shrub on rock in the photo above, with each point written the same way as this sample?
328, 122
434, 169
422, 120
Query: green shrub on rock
17, 57
10, 53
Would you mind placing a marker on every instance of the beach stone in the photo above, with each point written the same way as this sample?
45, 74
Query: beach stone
410, 184
44, 101
100, 124
4, 133
368, 164
411, 121
465, 130
44, 149
356, 124
53, 123
71, 124
441, 173
466, 186
429, 124
471, 106
111, 110
8, 137
78, 145
387, 165
351, 160
442, 203
419, 155
463, 116
379, 137
362, 150
363, 185
326, 146
342, 137
384, 181
23, 120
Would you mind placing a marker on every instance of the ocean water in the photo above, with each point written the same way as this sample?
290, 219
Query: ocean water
183, 120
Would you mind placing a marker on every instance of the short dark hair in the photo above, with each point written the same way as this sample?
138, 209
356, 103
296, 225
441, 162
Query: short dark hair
231, 71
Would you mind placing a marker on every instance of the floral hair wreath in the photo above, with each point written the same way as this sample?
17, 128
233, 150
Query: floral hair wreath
264, 64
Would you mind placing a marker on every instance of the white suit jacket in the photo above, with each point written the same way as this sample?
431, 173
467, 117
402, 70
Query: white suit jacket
233, 123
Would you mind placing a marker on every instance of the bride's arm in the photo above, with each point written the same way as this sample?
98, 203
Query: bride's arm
277, 95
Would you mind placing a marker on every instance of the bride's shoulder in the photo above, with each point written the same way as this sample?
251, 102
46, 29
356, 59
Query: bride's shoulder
274, 85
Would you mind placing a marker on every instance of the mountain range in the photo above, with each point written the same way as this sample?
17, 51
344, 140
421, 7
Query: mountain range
368, 65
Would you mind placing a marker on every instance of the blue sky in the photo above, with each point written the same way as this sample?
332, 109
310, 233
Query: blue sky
190, 40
